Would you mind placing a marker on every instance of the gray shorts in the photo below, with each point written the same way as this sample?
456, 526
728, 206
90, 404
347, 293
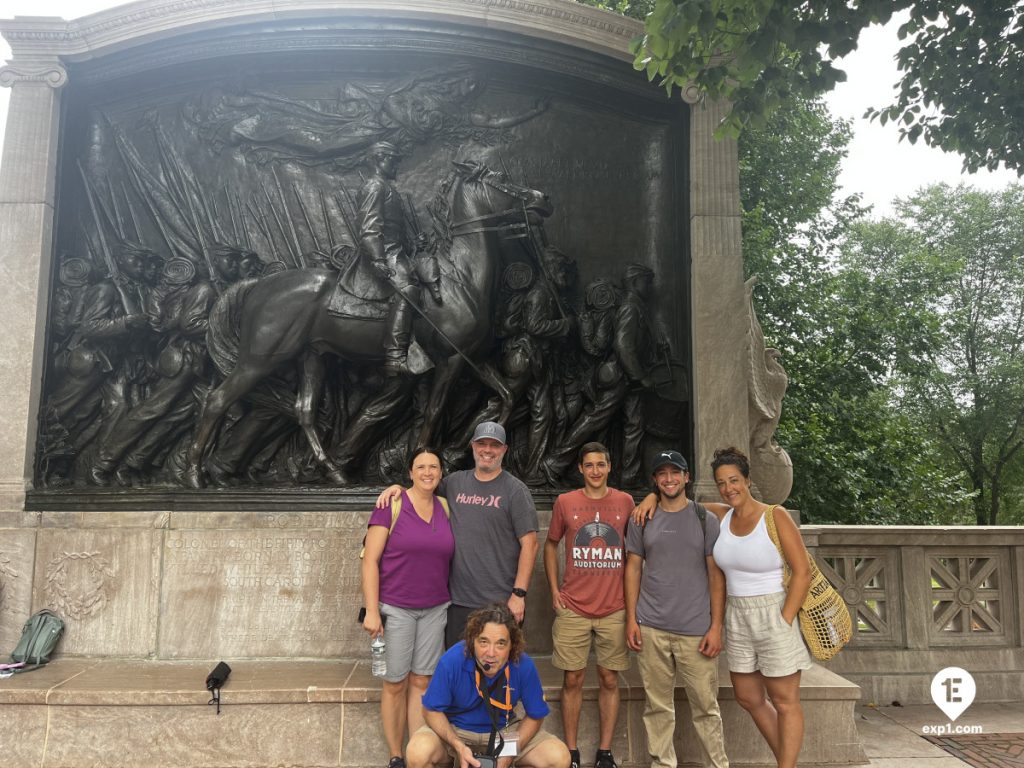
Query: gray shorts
414, 639
758, 639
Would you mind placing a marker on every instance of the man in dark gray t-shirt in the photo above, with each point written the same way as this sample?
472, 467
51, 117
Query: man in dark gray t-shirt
675, 607
495, 526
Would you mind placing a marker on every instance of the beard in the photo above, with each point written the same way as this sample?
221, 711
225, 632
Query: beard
672, 494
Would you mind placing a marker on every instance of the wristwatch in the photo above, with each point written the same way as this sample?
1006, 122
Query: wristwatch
518, 592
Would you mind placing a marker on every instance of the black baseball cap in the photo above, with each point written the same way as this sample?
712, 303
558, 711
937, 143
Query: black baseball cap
675, 458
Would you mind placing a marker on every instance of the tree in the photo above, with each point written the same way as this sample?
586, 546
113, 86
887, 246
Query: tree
953, 261
634, 9
961, 65
856, 457
848, 338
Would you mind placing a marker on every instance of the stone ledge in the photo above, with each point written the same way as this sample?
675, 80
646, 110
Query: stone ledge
83, 713
92, 501
867, 660
999, 672
124, 682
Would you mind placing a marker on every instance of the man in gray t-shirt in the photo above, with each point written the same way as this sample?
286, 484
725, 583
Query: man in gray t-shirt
495, 526
675, 607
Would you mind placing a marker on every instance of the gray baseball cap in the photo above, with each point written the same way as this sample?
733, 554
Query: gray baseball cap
489, 429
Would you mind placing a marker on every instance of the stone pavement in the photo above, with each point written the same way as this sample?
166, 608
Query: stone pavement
893, 736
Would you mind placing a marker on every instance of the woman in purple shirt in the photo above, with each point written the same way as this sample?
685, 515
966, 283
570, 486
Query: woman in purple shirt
405, 583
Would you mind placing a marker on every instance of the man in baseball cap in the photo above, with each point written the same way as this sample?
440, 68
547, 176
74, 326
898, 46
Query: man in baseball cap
489, 429
495, 525
671, 459
675, 609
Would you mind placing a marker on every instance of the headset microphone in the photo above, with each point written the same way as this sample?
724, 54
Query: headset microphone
487, 666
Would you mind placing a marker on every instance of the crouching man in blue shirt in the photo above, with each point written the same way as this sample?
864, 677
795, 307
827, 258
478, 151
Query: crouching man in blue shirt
477, 684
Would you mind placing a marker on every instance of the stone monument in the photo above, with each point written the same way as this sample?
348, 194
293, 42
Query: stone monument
273, 266
252, 253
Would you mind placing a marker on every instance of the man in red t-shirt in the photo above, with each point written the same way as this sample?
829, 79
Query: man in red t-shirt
589, 603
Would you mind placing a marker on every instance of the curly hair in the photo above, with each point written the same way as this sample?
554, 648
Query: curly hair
495, 613
730, 456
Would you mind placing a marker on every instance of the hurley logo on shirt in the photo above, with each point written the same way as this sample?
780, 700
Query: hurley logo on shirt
479, 501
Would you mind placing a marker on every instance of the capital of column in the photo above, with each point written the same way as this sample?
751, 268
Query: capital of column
691, 94
52, 74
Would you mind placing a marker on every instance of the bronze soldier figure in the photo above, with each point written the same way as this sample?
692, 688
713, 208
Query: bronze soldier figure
603, 381
637, 350
547, 324
181, 315
390, 244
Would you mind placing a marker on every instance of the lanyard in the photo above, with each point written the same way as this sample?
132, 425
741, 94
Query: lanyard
489, 698
496, 742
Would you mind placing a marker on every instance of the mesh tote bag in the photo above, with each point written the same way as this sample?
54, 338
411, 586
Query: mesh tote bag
824, 618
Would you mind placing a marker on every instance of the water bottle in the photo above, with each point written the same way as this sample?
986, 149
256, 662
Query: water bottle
378, 663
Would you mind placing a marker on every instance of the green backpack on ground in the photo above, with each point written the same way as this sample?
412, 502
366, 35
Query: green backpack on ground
39, 637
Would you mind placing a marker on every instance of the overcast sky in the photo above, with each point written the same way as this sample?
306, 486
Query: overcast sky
880, 167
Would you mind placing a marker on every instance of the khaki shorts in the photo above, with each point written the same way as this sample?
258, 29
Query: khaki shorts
571, 637
758, 639
478, 741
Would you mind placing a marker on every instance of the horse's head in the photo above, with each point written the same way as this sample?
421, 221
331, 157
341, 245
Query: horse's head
486, 193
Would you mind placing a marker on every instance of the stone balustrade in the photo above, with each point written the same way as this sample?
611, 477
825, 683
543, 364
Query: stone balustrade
925, 598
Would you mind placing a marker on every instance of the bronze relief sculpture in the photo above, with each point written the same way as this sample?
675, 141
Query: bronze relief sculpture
271, 287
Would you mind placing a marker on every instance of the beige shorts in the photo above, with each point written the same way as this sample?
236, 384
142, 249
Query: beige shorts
758, 639
478, 741
571, 637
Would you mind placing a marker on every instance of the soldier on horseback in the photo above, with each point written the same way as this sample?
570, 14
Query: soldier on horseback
390, 242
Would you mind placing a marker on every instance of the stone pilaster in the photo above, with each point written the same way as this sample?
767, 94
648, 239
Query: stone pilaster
27, 190
719, 323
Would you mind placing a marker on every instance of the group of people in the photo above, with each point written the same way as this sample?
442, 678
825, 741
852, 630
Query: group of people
669, 579
130, 360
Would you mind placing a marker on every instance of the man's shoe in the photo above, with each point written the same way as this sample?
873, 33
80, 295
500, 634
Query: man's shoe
574, 758
396, 762
604, 759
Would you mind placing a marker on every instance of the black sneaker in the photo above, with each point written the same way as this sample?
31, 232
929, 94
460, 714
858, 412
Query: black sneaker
574, 758
396, 762
604, 759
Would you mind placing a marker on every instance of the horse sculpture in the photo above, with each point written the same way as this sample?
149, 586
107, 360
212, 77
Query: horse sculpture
283, 319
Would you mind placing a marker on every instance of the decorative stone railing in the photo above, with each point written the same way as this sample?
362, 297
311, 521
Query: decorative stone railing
924, 598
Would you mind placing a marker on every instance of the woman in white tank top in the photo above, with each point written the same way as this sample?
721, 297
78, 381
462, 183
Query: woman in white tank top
765, 648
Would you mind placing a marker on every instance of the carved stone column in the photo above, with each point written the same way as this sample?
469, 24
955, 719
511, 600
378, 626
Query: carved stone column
27, 187
719, 315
